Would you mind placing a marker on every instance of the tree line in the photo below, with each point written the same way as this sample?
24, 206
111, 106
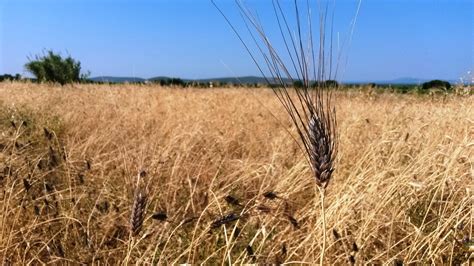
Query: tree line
52, 67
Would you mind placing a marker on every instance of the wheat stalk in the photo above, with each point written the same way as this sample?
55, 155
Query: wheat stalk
309, 106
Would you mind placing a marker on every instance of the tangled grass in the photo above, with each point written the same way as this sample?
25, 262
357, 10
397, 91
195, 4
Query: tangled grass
225, 182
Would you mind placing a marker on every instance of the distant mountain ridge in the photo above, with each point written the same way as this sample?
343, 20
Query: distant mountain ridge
117, 79
252, 80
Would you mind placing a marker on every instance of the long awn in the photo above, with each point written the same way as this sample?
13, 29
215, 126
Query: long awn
310, 105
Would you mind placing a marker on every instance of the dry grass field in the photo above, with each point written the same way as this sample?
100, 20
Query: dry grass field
225, 181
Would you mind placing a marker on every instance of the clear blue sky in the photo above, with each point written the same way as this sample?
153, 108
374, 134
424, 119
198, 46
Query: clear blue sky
189, 39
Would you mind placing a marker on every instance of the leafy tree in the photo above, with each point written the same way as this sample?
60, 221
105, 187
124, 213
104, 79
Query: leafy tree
297, 84
436, 84
331, 83
53, 67
10, 77
177, 82
325, 84
170, 82
372, 85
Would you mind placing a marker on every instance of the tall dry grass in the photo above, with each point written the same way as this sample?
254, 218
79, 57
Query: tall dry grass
224, 181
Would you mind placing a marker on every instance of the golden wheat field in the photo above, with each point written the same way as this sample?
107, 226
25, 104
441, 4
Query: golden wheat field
225, 181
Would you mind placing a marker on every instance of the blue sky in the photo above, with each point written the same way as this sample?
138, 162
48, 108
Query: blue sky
189, 39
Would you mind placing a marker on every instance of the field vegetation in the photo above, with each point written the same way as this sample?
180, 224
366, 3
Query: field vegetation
221, 180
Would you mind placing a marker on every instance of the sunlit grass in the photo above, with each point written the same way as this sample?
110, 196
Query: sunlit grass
401, 191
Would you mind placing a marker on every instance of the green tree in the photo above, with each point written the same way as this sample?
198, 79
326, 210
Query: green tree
436, 84
325, 84
53, 67
331, 83
297, 84
10, 77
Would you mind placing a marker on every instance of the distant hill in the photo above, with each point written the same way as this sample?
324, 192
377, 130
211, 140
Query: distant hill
238, 80
406, 80
117, 79
235, 80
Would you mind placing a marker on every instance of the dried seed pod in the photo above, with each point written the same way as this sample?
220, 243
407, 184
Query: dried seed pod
53, 158
352, 260
48, 134
232, 200
103, 207
293, 221
190, 219
48, 187
80, 177
398, 262
236, 232
224, 220
250, 252
336, 235
284, 251
355, 248
26, 184
264, 209
160, 216
270, 195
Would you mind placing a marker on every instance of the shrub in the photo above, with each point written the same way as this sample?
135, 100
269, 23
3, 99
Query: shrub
170, 82
331, 83
53, 68
298, 84
10, 77
436, 84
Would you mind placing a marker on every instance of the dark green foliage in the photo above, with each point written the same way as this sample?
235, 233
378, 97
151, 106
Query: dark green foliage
298, 84
436, 84
325, 84
403, 88
10, 77
170, 82
331, 83
51, 67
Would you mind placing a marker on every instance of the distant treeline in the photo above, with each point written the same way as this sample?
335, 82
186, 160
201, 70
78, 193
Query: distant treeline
15, 77
401, 88
178, 82
54, 68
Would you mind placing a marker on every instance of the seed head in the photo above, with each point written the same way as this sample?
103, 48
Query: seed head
320, 150
138, 211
